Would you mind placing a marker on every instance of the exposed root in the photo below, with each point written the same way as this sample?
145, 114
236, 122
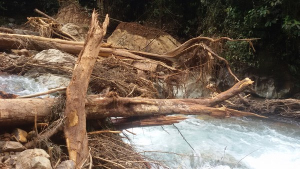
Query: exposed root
283, 107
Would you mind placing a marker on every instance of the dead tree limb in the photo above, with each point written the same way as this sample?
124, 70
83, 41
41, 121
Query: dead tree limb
125, 123
75, 127
14, 111
45, 15
200, 39
15, 41
43, 93
45, 135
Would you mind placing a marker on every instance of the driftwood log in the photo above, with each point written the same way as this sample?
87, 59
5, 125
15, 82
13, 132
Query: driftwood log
22, 111
167, 60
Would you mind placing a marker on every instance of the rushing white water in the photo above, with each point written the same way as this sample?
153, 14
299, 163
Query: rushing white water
222, 143
20, 85
217, 143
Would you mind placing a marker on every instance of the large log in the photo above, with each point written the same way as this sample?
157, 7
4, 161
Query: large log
22, 111
16, 41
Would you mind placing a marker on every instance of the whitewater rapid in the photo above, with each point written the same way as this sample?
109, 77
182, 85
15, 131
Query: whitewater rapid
222, 143
20, 85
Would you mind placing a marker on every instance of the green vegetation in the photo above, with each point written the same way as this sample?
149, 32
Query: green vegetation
275, 22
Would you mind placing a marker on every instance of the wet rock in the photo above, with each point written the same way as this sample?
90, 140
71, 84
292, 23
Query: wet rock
68, 164
134, 36
20, 135
266, 87
33, 158
192, 89
12, 146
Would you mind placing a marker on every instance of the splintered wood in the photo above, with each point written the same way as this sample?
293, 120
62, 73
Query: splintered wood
75, 126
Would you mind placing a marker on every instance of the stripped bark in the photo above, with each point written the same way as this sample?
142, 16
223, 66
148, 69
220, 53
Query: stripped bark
75, 127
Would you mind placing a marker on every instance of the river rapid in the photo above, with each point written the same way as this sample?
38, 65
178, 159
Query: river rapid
205, 142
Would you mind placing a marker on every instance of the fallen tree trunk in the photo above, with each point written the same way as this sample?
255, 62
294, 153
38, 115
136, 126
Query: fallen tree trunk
167, 60
18, 111
16, 41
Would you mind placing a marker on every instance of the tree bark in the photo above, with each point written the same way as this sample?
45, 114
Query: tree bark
15, 41
23, 111
125, 123
75, 126
17, 111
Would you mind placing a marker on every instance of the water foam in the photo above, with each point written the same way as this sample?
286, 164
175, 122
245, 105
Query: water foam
222, 143
20, 85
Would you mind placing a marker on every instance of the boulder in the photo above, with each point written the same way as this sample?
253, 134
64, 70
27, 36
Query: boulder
266, 87
33, 158
54, 56
52, 79
134, 36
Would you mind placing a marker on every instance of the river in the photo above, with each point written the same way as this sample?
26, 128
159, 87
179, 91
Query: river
205, 142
